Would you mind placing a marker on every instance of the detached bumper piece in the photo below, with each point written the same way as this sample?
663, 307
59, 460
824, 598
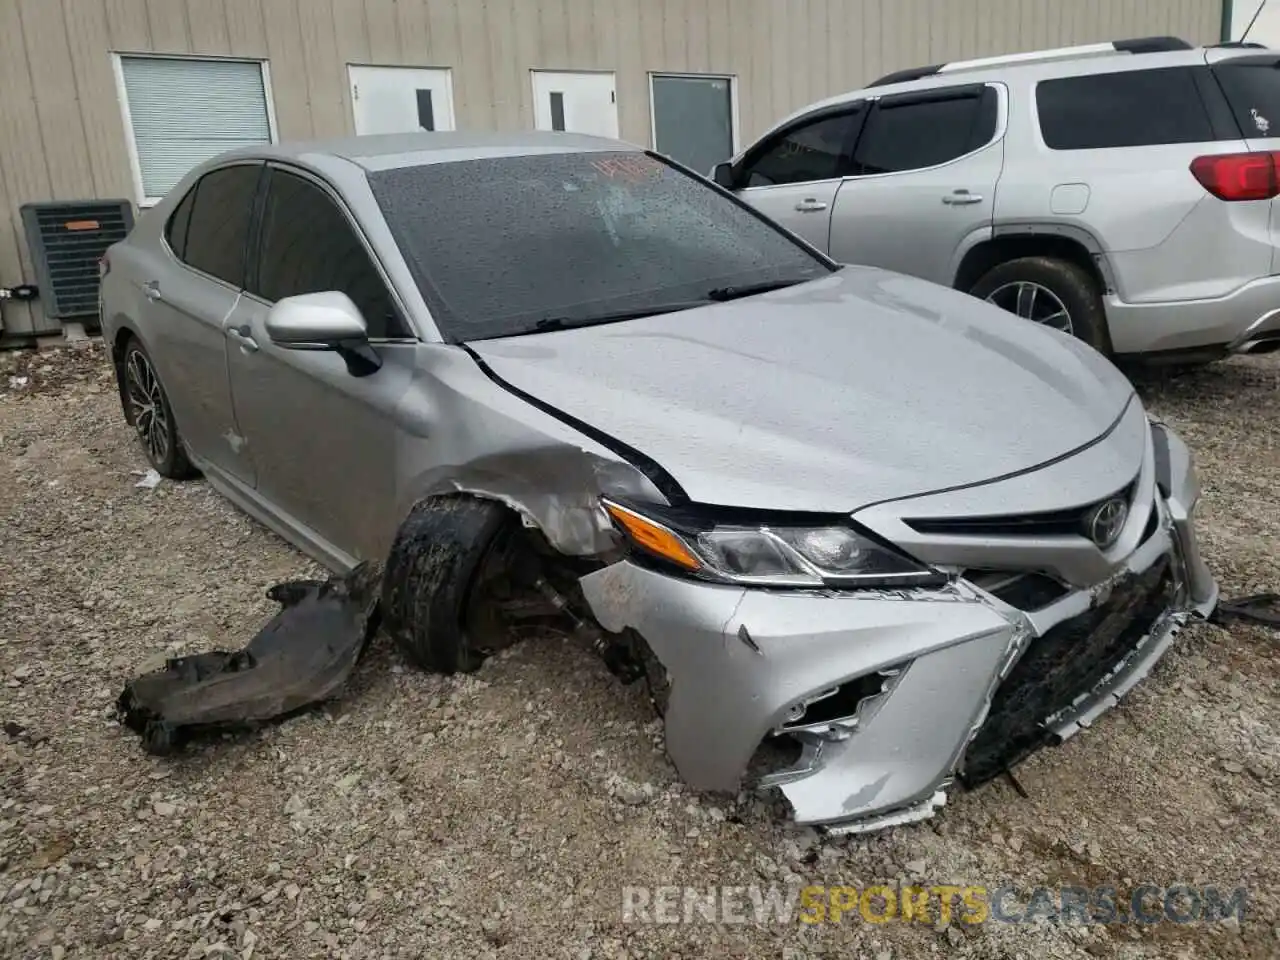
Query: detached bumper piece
299, 659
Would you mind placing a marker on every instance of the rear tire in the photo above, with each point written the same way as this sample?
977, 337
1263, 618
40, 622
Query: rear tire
1043, 290
429, 575
150, 414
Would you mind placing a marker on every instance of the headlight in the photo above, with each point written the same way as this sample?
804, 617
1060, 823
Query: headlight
772, 555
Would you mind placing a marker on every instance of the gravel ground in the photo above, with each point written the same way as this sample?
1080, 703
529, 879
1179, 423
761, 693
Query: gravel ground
501, 815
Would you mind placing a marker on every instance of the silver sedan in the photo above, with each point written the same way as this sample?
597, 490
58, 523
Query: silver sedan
860, 535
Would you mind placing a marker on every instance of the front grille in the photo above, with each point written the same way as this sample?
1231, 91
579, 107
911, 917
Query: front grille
1023, 591
1052, 523
1069, 660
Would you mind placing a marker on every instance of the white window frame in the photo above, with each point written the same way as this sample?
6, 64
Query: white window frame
122, 95
735, 133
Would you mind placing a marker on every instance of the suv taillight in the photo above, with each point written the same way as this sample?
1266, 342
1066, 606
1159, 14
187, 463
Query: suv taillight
1239, 176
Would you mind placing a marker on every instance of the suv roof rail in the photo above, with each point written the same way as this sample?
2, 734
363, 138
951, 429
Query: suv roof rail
1135, 45
1239, 45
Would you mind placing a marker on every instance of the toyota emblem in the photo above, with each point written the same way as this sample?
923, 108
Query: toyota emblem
1104, 523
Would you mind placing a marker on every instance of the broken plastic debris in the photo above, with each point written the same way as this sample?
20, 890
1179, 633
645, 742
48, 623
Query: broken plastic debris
299, 659
150, 479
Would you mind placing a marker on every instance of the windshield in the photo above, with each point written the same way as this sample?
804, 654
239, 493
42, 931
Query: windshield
510, 245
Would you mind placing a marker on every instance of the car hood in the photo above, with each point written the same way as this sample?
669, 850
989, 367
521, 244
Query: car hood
856, 388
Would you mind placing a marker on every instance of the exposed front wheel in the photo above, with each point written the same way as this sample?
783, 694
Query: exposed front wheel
152, 416
1056, 293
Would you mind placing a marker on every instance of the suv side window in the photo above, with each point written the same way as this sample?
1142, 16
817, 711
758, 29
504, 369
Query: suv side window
813, 150
220, 216
308, 246
1136, 108
915, 131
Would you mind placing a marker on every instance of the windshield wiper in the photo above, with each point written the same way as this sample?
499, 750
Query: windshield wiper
635, 313
751, 289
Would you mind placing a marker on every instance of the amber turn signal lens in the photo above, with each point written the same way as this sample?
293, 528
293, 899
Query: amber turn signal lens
653, 537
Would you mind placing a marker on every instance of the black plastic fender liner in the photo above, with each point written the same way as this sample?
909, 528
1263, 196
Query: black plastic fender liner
430, 570
1259, 608
300, 658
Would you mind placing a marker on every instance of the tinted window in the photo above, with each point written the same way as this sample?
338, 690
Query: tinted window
308, 246
175, 231
1133, 109
814, 151
498, 244
1253, 90
911, 134
220, 219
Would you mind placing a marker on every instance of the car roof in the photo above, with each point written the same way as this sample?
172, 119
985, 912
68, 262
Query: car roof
389, 151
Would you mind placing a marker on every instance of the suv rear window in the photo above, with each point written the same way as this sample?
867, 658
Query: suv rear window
1137, 108
1253, 89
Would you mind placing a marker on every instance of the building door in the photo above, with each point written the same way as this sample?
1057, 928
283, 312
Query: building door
693, 118
577, 102
401, 99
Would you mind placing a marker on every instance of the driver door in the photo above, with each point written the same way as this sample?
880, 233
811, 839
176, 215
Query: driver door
324, 439
793, 176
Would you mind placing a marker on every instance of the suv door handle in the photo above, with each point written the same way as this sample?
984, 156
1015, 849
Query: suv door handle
244, 335
151, 289
810, 205
961, 198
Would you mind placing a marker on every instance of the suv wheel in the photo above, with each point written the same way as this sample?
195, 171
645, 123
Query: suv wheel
1057, 293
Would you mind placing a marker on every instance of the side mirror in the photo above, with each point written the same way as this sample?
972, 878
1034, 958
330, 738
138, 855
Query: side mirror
722, 174
324, 321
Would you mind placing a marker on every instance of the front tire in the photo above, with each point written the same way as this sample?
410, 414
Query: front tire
429, 576
1057, 293
151, 415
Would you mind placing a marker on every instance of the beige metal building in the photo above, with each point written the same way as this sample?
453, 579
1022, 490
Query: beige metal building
118, 98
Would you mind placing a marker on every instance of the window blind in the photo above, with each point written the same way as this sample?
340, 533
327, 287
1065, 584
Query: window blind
185, 111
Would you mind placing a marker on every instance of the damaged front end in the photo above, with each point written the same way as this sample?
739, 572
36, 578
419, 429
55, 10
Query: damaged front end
887, 696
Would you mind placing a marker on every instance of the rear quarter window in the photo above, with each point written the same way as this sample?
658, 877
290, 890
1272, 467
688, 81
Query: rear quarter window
1253, 90
1136, 108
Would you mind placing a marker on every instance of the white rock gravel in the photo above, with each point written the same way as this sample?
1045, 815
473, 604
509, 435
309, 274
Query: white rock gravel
500, 815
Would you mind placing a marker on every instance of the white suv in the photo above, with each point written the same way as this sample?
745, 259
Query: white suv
1121, 192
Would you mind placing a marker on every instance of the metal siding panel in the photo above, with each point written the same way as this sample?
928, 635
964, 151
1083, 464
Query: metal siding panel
873, 64
797, 34
352, 38
22, 165
503, 76
169, 30
583, 54
207, 20
105, 136
329, 89
246, 30
57, 101
724, 53
553, 27
698, 47
632, 80
528, 54
384, 34
414, 31
289, 87
128, 27
473, 85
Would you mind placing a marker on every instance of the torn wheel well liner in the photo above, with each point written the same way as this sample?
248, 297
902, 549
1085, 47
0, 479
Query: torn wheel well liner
666, 484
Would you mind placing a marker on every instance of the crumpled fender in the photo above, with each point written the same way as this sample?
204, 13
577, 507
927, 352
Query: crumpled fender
300, 658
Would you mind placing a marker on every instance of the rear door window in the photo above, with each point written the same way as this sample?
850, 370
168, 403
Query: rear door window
913, 132
1136, 108
175, 231
809, 151
218, 234
1252, 87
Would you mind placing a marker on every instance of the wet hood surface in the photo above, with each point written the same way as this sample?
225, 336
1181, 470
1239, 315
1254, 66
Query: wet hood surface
860, 387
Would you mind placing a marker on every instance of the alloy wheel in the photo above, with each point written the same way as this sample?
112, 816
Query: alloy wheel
1034, 302
146, 402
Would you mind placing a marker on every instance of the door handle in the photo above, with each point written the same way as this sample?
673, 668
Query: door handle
244, 335
810, 205
961, 198
152, 290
